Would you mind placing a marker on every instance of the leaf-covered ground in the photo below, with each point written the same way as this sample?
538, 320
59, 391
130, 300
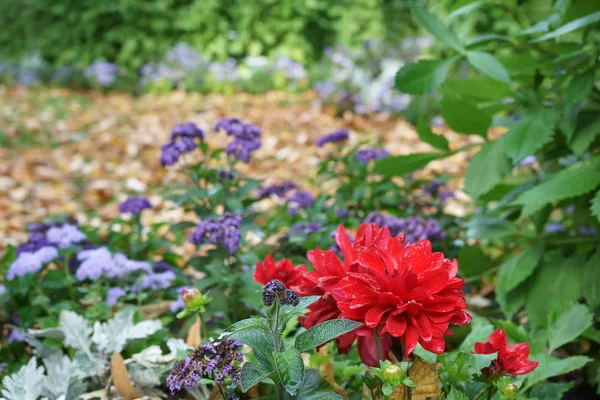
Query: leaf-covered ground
72, 152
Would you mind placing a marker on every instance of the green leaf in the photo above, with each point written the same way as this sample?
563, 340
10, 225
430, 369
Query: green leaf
422, 77
426, 135
550, 391
590, 276
518, 268
487, 168
480, 331
260, 341
579, 178
250, 323
581, 86
288, 312
435, 26
571, 323
325, 396
290, 368
570, 27
488, 65
456, 395
464, 117
481, 361
584, 137
401, 165
464, 7
550, 367
324, 332
487, 227
479, 89
251, 375
472, 261
529, 134
310, 383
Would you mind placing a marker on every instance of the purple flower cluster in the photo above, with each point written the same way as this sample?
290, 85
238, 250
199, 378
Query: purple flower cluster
103, 72
113, 295
224, 230
306, 228
158, 280
182, 141
30, 263
555, 227
276, 190
333, 137
415, 228
366, 155
100, 261
135, 205
300, 199
246, 138
438, 189
216, 361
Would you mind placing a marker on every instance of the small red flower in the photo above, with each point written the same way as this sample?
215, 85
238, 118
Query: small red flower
402, 290
284, 271
511, 359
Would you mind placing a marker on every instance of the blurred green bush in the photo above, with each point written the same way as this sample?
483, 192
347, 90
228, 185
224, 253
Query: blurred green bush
131, 33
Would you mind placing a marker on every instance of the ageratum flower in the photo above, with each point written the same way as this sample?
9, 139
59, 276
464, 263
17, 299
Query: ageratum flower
404, 290
36, 241
246, 137
284, 271
215, 361
100, 261
511, 359
103, 72
158, 280
366, 155
113, 295
65, 236
30, 263
135, 205
334, 137
276, 190
224, 230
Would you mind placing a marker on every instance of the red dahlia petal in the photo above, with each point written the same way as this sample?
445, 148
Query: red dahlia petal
523, 368
411, 337
498, 339
367, 349
435, 345
424, 326
343, 241
396, 325
373, 316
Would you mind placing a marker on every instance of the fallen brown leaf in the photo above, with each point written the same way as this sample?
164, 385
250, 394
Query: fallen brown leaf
120, 378
426, 377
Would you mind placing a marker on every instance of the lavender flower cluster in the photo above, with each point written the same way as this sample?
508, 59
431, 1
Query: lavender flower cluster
182, 141
135, 205
415, 228
246, 137
215, 361
42, 247
334, 137
437, 189
224, 230
366, 155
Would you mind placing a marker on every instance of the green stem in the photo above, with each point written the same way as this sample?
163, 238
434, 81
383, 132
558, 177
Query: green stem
43, 299
378, 346
70, 280
490, 392
222, 392
203, 325
276, 330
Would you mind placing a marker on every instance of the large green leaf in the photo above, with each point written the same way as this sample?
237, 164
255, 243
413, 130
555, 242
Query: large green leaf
550, 391
290, 368
260, 341
426, 135
324, 332
487, 168
487, 227
402, 165
310, 383
480, 331
581, 86
251, 375
472, 261
595, 205
529, 134
456, 395
550, 367
571, 323
435, 26
518, 268
325, 396
590, 276
584, 137
479, 89
250, 323
489, 65
422, 77
464, 117
571, 26
579, 178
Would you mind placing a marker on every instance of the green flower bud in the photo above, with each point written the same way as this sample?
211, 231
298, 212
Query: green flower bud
510, 390
392, 373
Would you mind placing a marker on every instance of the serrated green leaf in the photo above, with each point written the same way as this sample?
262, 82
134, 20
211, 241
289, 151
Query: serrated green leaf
290, 368
422, 77
310, 383
479, 89
571, 323
251, 375
487, 227
518, 268
250, 323
426, 135
570, 27
435, 26
472, 261
323, 333
487, 168
584, 137
402, 165
550, 367
529, 134
590, 276
581, 86
464, 117
550, 391
488, 65
480, 331
575, 180
456, 395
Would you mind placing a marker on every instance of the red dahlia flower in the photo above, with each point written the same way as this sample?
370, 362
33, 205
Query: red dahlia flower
511, 359
284, 271
404, 290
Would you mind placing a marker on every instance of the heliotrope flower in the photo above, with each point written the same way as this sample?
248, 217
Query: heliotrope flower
246, 137
300, 199
135, 205
438, 189
334, 137
215, 361
404, 290
182, 141
511, 359
224, 230
283, 271
366, 155
186, 130
414, 228
276, 190
306, 228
